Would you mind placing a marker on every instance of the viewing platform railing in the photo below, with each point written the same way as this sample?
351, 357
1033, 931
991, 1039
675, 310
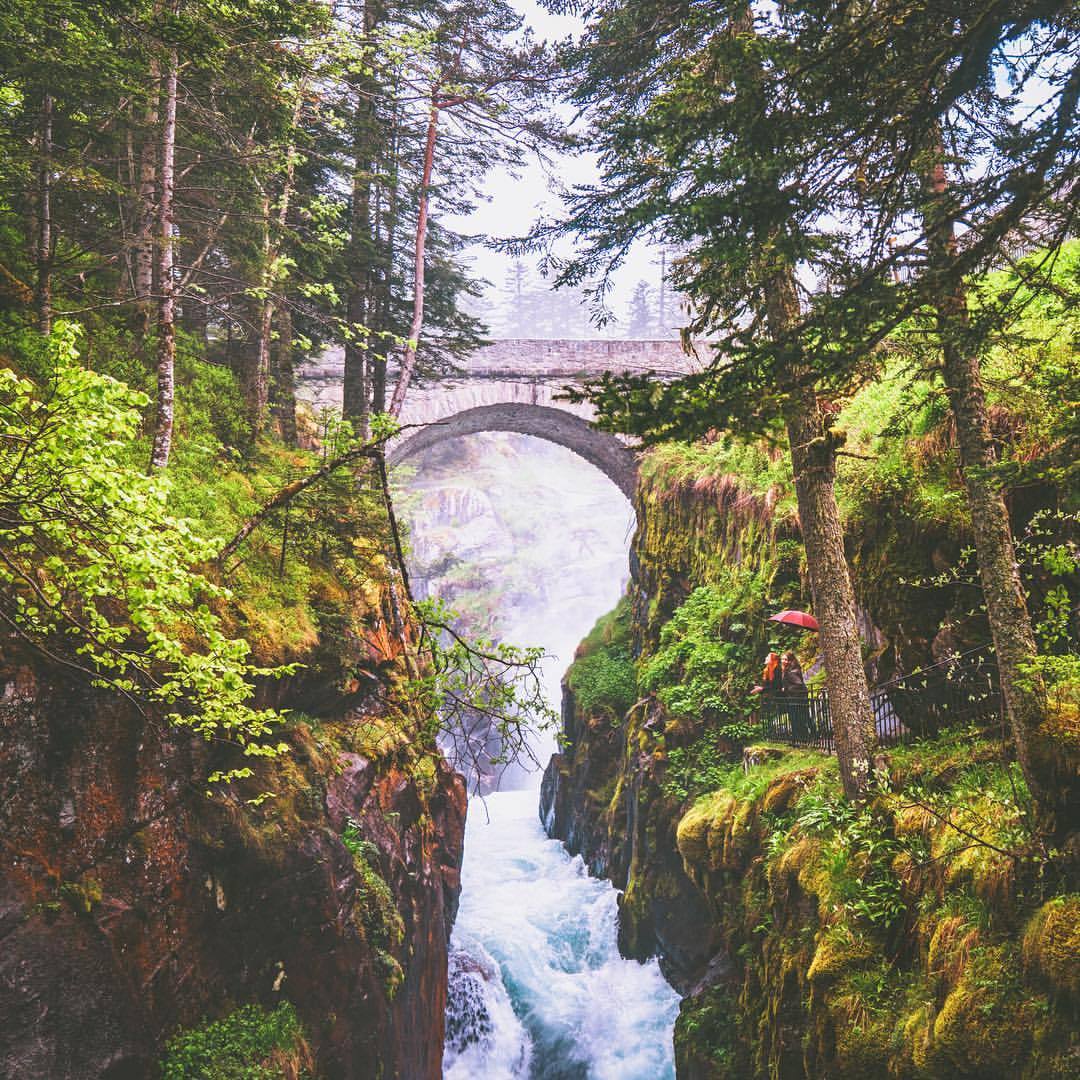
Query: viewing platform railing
962, 690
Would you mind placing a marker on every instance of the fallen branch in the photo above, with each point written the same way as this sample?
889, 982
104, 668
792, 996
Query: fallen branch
289, 492
285, 495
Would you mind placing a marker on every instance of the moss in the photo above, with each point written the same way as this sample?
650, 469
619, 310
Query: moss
701, 831
785, 790
248, 1044
838, 952
863, 1049
706, 1036
83, 895
917, 1037
980, 1032
990, 1023
950, 948
692, 835
796, 863
602, 676
1052, 943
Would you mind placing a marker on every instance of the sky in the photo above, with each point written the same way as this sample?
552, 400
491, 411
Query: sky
514, 202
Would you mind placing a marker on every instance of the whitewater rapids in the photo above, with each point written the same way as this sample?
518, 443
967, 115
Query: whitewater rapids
537, 987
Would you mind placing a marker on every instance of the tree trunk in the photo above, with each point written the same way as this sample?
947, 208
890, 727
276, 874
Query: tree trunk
1046, 768
408, 360
385, 292
813, 464
356, 400
284, 382
166, 352
355, 391
256, 371
147, 211
44, 239
273, 229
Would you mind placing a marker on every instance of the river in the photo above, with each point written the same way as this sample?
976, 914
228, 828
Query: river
533, 542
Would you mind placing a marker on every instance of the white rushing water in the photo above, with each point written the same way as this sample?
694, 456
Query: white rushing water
538, 990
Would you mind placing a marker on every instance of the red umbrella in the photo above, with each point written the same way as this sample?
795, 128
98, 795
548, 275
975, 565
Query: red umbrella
796, 618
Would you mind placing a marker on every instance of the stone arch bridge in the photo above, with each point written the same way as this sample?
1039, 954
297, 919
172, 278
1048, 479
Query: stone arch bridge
513, 385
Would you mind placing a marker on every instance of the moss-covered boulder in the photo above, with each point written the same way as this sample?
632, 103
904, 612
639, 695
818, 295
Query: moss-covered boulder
1052, 943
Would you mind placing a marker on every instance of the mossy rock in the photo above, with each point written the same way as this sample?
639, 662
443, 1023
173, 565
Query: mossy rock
785, 790
1052, 943
917, 1038
836, 955
910, 821
793, 863
753, 756
981, 1032
706, 1043
950, 948
989, 874
693, 835
863, 1050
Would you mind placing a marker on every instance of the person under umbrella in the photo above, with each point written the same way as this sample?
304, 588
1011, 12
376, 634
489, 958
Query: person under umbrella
793, 687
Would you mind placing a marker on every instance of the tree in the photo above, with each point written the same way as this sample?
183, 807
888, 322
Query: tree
685, 123
493, 87
639, 316
97, 575
952, 151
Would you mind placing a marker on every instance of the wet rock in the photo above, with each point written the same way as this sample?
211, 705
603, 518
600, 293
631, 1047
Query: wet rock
151, 907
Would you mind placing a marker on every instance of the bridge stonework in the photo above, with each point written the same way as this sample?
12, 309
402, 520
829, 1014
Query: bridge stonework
514, 385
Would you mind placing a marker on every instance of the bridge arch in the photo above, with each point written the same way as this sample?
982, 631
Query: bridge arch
613, 458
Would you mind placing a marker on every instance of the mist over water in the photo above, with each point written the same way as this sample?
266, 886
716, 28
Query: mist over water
530, 543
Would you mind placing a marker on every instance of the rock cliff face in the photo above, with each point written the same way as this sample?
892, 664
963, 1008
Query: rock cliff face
132, 904
600, 797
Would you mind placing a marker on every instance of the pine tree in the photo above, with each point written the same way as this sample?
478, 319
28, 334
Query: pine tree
686, 125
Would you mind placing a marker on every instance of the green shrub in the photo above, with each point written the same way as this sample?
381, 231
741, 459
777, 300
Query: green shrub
98, 568
248, 1044
604, 681
603, 677
383, 926
709, 651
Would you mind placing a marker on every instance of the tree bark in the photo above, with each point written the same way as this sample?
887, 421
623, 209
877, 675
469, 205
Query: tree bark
44, 238
273, 229
356, 390
284, 381
147, 211
166, 351
813, 463
256, 372
385, 292
408, 360
1051, 781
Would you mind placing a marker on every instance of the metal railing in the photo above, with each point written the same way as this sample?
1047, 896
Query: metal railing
962, 690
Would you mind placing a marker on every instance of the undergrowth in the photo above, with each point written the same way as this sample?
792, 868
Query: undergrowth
250, 1043
602, 676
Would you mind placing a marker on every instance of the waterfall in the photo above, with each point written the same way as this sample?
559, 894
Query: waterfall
538, 990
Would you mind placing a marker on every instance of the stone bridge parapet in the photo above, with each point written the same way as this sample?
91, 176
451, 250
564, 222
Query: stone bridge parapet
516, 385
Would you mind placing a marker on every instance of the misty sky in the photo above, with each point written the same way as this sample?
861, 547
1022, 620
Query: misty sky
515, 201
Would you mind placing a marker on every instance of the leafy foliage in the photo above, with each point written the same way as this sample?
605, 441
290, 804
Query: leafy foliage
248, 1044
603, 676
475, 690
708, 651
96, 571
378, 913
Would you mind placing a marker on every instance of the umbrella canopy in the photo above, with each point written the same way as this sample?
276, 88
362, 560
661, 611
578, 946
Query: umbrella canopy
795, 618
